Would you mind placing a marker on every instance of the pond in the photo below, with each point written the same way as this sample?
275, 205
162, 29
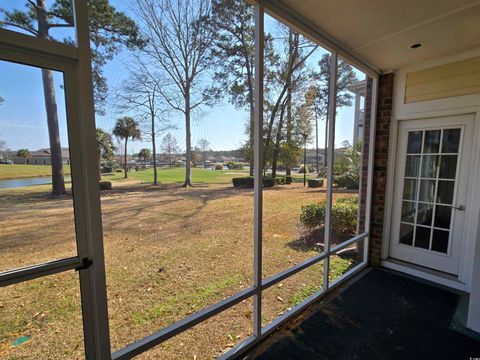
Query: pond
15, 183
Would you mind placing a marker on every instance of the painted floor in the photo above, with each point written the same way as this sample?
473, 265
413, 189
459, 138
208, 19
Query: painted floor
381, 316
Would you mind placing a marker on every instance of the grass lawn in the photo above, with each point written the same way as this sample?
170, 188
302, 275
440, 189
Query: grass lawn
14, 171
177, 175
169, 252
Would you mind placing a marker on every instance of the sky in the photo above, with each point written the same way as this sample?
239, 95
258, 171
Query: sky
23, 119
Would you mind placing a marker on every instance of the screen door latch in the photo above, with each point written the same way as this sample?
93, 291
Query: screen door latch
86, 263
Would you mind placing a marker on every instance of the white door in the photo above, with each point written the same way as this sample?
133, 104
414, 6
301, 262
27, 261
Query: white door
432, 170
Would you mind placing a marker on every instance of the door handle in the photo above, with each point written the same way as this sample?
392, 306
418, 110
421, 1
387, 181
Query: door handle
459, 207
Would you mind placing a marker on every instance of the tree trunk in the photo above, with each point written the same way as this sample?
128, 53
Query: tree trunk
278, 138
58, 182
125, 158
188, 142
154, 152
316, 143
289, 107
251, 140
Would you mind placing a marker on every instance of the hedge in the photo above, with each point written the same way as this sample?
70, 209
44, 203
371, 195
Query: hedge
314, 183
247, 182
105, 185
344, 215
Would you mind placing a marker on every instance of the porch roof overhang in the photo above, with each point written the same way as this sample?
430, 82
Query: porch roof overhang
376, 35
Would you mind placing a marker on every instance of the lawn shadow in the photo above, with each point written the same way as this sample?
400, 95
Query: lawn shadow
311, 240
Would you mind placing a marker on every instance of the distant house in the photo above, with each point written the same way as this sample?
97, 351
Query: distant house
42, 157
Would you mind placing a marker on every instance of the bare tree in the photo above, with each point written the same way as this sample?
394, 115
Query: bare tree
140, 93
169, 147
180, 42
203, 146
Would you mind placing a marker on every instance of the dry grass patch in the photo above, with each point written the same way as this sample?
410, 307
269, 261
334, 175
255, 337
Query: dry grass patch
169, 251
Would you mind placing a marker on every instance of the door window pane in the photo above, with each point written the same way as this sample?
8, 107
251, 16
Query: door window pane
406, 234
451, 140
414, 145
443, 215
440, 240
448, 167
424, 214
408, 212
445, 192
429, 166
427, 191
410, 189
432, 141
412, 166
422, 237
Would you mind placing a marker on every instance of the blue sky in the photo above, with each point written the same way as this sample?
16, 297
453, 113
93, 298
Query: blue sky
23, 119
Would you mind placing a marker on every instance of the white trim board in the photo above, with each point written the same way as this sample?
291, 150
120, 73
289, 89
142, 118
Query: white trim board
422, 273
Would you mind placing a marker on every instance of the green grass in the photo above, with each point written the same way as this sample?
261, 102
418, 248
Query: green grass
196, 296
14, 171
177, 175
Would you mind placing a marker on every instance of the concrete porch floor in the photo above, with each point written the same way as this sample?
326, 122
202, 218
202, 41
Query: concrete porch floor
383, 315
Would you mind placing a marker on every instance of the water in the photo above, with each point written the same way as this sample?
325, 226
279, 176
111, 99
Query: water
16, 183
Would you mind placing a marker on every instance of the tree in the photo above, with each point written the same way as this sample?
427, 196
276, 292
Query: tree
319, 92
179, 43
292, 75
141, 93
126, 128
23, 153
105, 147
233, 22
169, 147
109, 29
203, 147
145, 154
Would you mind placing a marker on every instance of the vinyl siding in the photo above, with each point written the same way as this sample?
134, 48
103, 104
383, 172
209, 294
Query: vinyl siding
440, 82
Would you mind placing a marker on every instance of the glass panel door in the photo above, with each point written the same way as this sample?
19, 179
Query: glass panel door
431, 168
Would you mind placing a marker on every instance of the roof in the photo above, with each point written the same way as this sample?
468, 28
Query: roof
46, 153
381, 32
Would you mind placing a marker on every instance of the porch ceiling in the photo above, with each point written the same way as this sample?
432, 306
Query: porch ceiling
381, 32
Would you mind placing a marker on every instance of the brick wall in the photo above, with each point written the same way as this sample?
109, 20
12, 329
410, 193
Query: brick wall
382, 133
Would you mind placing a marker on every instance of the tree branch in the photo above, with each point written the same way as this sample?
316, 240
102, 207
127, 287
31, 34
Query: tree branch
7, 23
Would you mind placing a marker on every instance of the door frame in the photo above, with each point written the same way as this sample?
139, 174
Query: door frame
462, 179
461, 105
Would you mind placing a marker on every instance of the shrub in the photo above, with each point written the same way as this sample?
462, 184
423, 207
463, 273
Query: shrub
234, 165
314, 183
247, 182
105, 185
288, 180
219, 167
344, 215
280, 180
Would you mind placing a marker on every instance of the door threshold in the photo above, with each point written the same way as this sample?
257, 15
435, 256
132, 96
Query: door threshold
438, 277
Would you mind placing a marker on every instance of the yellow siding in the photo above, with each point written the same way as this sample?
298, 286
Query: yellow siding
440, 82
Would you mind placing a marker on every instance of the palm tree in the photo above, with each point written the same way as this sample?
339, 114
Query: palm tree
105, 146
24, 153
145, 154
126, 128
